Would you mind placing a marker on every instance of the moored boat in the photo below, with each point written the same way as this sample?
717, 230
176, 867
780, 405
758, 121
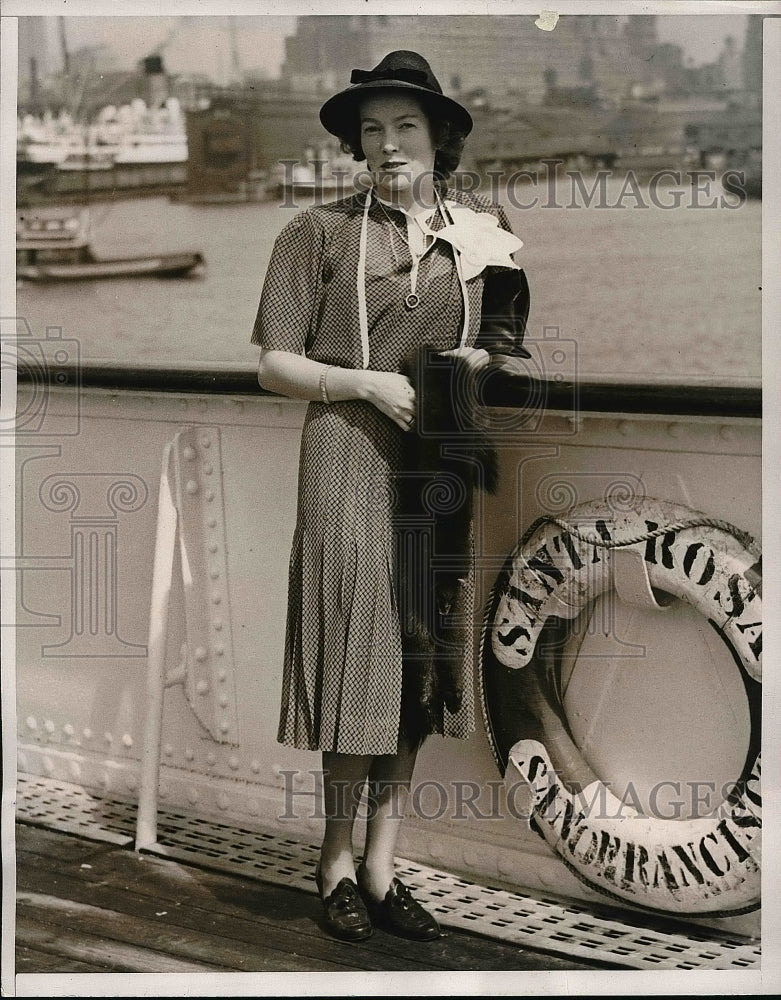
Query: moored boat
56, 247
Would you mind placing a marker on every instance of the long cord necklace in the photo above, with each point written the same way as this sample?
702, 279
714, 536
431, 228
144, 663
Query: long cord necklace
411, 299
363, 318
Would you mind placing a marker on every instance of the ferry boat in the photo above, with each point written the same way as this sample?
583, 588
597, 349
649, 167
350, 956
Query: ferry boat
152, 148
56, 247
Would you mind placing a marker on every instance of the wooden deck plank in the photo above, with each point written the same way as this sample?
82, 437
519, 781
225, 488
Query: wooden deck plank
143, 930
31, 960
112, 956
265, 916
250, 924
241, 944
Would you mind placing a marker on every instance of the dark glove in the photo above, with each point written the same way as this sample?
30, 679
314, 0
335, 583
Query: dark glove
505, 313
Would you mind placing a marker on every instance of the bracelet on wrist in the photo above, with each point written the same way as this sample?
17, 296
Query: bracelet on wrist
323, 386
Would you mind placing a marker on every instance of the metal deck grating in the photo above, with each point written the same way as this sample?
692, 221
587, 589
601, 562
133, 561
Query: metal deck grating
540, 923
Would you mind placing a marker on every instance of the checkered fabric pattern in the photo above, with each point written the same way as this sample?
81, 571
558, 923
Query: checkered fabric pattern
343, 664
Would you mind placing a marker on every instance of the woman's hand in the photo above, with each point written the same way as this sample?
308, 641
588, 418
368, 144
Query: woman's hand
475, 357
393, 395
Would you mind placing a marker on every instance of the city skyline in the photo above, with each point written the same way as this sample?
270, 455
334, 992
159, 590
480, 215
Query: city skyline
211, 44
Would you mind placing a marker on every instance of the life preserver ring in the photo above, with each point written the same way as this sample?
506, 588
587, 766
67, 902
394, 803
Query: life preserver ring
703, 866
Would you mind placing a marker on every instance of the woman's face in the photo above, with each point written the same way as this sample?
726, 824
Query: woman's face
396, 138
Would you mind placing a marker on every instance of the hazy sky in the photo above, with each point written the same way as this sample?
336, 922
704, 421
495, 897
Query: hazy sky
260, 40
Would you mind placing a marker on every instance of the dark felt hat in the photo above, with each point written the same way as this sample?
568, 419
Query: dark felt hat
399, 70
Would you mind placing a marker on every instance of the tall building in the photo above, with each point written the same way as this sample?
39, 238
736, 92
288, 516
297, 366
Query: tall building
752, 55
502, 55
38, 53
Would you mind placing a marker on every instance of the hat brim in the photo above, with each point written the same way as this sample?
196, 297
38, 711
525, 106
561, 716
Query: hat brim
338, 109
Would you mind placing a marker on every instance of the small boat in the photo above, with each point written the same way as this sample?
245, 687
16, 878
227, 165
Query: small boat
56, 247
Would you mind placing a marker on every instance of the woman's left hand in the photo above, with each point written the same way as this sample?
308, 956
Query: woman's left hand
475, 357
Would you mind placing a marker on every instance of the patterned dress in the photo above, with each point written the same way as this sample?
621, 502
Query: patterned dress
343, 660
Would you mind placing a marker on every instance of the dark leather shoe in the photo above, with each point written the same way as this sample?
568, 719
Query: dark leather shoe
400, 913
344, 912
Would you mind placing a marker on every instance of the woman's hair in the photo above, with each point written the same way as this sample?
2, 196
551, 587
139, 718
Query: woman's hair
448, 141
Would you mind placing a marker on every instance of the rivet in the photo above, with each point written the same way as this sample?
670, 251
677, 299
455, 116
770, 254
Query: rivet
239, 404
49, 726
210, 495
203, 404
163, 792
223, 801
75, 769
189, 453
105, 779
212, 522
48, 765
505, 865
214, 547
208, 469
223, 701
192, 487
200, 653
192, 795
217, 624
168, 750
216, 598
30, 722
254, 807
127, 740
183, 404
188, 753
88, 734
233, 763
255, 767
206, 441
224, 727
215, 574
210, 758
68, 729
131, 781
727, 433
626, 428
675, 430
115, 399
219, 649
108, 737
221, 676
202, 687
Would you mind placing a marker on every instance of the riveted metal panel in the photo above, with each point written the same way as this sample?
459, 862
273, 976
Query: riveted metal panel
208, 649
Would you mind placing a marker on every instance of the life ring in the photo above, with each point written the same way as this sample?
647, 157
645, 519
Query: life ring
703, 866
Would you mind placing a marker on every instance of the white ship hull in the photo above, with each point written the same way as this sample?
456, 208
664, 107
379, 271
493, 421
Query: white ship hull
85, 562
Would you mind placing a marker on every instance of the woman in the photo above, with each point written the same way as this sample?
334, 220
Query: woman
350, 288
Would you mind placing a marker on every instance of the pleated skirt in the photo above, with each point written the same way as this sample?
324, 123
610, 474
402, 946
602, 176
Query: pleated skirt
342, 675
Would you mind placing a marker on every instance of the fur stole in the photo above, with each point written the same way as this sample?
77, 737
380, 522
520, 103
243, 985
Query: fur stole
446, 457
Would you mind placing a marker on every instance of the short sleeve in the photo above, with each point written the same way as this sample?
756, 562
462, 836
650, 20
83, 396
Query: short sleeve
291, 287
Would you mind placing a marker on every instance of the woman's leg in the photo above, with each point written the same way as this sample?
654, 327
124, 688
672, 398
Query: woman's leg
344, 776
390, 777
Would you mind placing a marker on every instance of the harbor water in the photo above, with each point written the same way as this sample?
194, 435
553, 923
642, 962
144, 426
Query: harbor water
639, 287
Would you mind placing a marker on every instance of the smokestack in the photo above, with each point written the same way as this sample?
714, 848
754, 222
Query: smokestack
156, 81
